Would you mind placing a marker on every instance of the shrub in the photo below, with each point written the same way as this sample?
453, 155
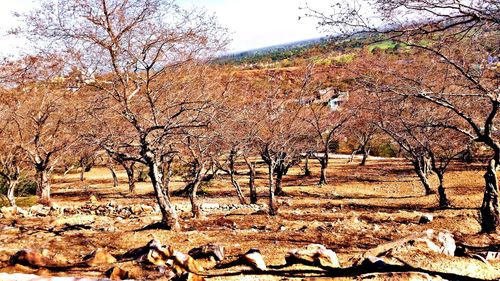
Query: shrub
344, 59
384, 149
26, 187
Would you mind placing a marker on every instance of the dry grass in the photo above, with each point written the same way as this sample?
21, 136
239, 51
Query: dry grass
360, 208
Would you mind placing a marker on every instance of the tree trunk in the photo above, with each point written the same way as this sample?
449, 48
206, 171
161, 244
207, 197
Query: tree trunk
422, 175
169, 216
273, 208
167, 176
251, 183
443, 199
307, 171
195, 207
232, 171
113, 174
130, 171
366, 152
351, 159
69, 169
82, 172
43, 187
10, 192
236, 186
142, 176
324, 165
490, 215
279, 179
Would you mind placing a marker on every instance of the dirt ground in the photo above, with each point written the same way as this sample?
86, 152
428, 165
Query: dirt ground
360, 208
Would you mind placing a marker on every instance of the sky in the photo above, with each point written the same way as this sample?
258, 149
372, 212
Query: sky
252, 24
261, 23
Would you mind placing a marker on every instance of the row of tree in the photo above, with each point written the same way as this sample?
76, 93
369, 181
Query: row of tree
134, 79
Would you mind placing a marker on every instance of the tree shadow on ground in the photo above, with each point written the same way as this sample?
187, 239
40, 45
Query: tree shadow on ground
354, 271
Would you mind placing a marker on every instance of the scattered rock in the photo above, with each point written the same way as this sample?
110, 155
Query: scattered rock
74, 220
372, 263
313, 254
148, 209
156, 254
56, 210
425, 218
210, 206
5, 229
254, 259
441, 242
99, 257
136, 210
22, 212
39, 210
208, 251
30, 258
116, 273
184, 263
93, 199
9, 212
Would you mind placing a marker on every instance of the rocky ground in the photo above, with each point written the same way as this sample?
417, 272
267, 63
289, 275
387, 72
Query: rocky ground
373, 219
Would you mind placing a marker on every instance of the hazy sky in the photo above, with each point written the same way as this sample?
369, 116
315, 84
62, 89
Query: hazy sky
251, 23
262, 23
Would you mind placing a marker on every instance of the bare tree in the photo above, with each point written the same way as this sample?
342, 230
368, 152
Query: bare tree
408, 122
10, 166
128, 166
281, 128
143, 59
42, 114
461, 38
325, 123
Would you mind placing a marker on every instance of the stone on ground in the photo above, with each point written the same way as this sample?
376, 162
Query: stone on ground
99, 257
313, 254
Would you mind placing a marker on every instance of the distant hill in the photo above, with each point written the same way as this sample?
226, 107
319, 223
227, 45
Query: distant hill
273, 53
279, 48
298, 49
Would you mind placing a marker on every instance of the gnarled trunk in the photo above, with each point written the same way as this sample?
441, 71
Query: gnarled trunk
236, 186
195, 207
85, 166
323, 161
353, 154
273, 208
490, 216
443, 199
169, 216
43, 186
167, 176
113, 174
232, 172
307, 171
366, 153
129, 170
279, 179
421, 171
11, 191
82, 173
251, 183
